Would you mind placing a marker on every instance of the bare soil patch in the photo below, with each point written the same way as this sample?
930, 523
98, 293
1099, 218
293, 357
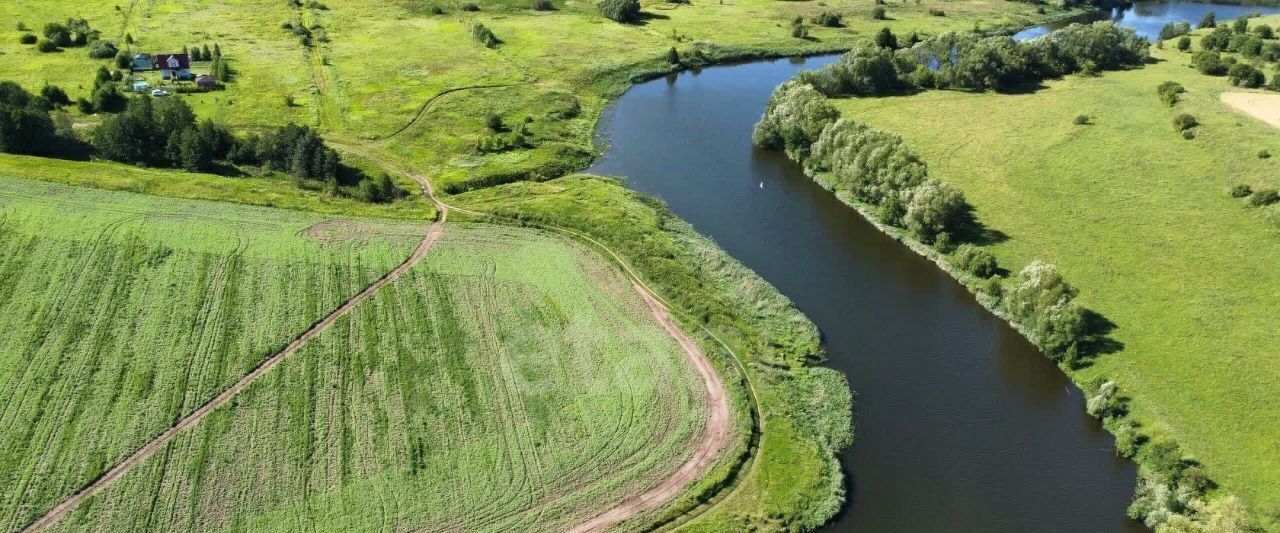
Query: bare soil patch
1264, 107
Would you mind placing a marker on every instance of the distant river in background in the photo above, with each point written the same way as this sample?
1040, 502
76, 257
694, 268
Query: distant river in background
1148, 17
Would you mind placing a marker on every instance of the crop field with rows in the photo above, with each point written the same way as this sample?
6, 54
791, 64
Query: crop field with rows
510, 381
124, 312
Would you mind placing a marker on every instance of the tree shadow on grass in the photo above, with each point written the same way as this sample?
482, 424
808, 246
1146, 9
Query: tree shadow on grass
643, 18
1097, 340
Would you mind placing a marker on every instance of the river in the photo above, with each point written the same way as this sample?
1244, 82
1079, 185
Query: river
961, 424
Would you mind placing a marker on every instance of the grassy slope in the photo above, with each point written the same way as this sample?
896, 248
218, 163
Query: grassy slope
512, 381
1141, 221
124, 312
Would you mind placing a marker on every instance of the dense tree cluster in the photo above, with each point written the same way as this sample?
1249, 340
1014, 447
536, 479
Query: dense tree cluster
972, 61
164, 133
74, 32
869, 165
296, 150
25, 124
793, 119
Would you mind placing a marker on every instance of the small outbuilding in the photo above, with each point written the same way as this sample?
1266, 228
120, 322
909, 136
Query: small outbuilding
141, 86
205, 81
142, 62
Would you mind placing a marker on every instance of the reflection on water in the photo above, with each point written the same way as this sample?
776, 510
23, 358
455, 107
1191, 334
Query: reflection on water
1148, 17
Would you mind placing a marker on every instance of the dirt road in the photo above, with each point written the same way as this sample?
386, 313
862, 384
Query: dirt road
714, 435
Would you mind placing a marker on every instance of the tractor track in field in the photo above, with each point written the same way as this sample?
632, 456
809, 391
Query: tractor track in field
429, 239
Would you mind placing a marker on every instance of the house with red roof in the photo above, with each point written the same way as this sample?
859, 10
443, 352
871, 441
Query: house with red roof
173, 66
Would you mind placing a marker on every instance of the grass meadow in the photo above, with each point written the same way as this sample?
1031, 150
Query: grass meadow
413, 83
1141, 221
125, 312
511, 381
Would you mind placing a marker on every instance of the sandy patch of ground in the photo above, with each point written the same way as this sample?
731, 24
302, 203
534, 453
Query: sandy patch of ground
1264, 107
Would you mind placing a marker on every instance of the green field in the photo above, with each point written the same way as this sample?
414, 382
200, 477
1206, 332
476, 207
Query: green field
415, 84
124, 312
795, 480
1141, 221
511, 381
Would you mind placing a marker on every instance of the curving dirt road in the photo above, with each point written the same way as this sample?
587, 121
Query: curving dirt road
714, 435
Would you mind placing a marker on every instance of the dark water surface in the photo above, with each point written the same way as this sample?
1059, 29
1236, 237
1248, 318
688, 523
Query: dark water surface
1148, 17
961, 424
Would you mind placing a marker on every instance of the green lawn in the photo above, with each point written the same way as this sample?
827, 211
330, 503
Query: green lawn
124, 312
511, 381
1141, 221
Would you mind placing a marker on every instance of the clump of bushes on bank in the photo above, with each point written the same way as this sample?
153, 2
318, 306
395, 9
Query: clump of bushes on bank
1043, 304
972, 61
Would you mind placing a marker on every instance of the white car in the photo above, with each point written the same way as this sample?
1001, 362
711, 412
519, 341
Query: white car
161, 92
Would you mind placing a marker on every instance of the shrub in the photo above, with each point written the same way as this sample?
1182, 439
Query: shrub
886, 39
1169, 91
55, 95
1184, 43
937, 12
1241, 190
494, 123
829, 19
879, 13
84, 105
1080, 119
1264, 197
1240, 25
28, 38
975, 261
1243, 75
800, 31
470, 6
543, 5
1264, 154
1264, 31
47, 46
1209, 20
437, 10
481, 34
1208, 62
673, 56
103, 50
1174, 29
1189, 134
620, 10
